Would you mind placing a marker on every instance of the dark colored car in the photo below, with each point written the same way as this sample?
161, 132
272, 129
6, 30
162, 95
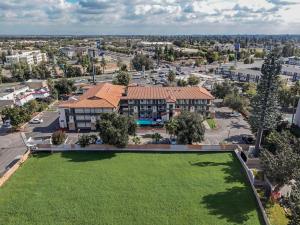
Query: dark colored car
248, 139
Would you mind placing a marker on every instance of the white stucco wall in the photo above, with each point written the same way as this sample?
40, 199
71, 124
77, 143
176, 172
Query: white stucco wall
297, 115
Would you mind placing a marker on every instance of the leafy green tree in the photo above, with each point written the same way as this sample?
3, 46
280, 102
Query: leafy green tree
282, 166
181, 83
40, 71
220, 90
115, 129
284, 96
136, 140
32, 106
288, 50
265, 103
294, 203
64, 86
21, 71
212, 56
132, 126
73, 71
122, 78
16, 115
235, 101
141, 60
156, 137
189, 128
249, 89
58, 137
85, 140
295, 92
171, 76
171, 126
193, 80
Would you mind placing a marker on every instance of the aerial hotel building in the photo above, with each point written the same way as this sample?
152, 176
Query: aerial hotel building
149, 102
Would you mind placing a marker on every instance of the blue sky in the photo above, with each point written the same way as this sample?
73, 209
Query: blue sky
149, 17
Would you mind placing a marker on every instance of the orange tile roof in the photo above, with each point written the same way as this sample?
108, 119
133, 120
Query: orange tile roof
103, 95
106, 95
168, 93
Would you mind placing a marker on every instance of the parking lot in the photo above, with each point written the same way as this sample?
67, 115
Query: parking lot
47, 127
229, 129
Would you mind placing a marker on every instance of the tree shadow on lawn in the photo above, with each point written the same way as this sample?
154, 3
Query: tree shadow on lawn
234, 205
232, 170
87, 156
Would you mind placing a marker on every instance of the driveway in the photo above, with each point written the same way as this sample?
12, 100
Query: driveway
229, 129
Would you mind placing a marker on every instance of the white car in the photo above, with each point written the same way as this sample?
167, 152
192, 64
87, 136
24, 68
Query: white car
99, 142
235, 114
36, 121
7, 124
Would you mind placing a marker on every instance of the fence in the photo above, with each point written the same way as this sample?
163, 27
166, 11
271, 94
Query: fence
251, 182
135, 148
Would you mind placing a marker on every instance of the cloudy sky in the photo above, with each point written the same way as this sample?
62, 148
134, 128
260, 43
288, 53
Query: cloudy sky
149, 17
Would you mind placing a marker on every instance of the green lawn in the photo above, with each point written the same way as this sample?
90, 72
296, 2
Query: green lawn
129, 189
212, 123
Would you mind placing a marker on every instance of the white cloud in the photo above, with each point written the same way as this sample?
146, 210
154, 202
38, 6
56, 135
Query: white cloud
163, 16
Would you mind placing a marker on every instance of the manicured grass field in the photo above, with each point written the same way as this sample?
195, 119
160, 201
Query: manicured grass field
129, 189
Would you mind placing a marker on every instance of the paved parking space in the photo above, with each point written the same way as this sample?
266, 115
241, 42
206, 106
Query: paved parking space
47, 127
230, 129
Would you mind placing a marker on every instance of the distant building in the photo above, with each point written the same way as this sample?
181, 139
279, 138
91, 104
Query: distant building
293, 61
140, 102
36, 84
30, 58
22, 94
224, 47
68, 51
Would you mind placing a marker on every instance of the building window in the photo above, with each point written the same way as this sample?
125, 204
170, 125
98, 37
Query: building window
84, 125
79, 117
79, 111
87, 110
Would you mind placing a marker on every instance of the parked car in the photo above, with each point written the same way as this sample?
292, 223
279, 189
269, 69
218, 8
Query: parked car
173, 141
6, 124
36, 121
99, 142
234, 114
248, 139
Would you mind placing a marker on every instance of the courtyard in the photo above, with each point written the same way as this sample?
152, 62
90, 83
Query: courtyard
129, 188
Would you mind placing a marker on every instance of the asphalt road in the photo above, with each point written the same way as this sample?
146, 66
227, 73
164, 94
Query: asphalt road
11, 146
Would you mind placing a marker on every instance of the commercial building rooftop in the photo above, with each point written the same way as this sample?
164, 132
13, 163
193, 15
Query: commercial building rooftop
103, 95
174, 93
106, 95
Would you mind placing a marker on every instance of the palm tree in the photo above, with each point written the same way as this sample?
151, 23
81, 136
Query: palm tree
171, 126
103, 64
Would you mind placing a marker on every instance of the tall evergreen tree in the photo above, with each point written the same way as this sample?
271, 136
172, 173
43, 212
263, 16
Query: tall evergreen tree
265, 103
